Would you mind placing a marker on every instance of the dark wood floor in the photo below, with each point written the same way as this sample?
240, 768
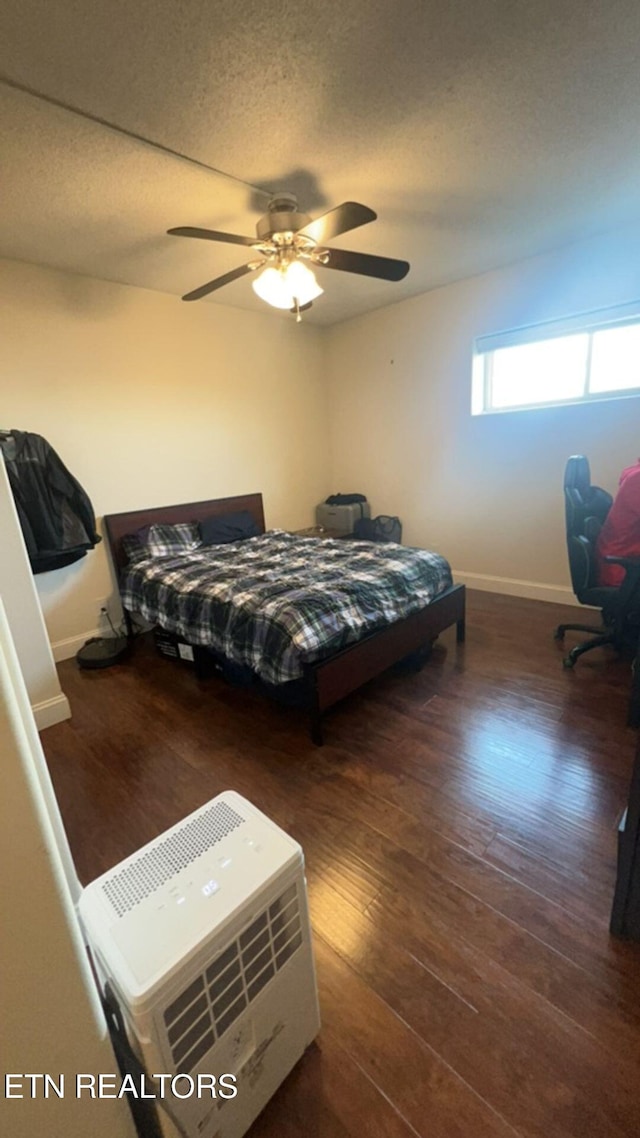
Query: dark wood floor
459, 828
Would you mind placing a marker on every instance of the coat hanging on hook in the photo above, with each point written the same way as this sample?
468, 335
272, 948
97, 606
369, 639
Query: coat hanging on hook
55, 513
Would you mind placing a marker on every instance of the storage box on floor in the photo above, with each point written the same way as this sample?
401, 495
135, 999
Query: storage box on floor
171, 646
205, 661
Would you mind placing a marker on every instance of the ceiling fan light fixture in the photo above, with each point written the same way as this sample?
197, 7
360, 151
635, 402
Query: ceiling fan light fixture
302, 283
271, 287
282, 287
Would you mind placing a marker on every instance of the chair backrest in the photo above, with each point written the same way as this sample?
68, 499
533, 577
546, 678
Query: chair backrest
586, 508
581, 499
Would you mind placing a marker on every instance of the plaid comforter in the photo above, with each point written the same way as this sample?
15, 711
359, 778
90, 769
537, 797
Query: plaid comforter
277, 602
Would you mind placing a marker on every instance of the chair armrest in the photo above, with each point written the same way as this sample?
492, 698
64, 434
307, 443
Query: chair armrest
626, 562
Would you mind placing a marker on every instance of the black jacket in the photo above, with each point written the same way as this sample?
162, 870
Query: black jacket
57, 518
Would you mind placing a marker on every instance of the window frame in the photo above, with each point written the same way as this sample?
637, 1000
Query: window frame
591, 323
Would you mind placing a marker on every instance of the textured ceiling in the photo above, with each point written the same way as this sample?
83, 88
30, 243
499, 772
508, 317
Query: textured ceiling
480, 132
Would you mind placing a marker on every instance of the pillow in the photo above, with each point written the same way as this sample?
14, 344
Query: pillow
161, 540
134, 545
165, 540
229, 527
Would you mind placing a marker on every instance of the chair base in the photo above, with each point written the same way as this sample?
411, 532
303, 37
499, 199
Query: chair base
609, 634
562, 628
605, 638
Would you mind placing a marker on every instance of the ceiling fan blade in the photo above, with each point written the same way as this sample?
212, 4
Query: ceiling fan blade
349, 215
211, 235
219, 282
385, 268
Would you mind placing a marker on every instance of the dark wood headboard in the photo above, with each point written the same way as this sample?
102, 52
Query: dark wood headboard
117, 525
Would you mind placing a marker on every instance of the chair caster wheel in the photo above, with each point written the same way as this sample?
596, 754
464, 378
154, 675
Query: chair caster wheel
568, 662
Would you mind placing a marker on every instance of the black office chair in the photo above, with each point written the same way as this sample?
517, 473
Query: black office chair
586, 508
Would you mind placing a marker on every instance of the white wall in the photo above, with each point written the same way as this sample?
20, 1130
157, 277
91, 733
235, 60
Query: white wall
485, 491
150, 401
20, 599
51, 1021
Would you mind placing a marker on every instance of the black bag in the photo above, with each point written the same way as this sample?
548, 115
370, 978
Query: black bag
344, 499
382, 528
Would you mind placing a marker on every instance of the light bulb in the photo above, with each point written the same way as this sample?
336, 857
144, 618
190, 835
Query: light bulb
302, 284
272, 287
282, 287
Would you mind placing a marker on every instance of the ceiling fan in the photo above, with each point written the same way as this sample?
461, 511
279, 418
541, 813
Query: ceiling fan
288, 241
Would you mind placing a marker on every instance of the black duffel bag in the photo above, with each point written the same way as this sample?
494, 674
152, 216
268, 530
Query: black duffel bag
382, 528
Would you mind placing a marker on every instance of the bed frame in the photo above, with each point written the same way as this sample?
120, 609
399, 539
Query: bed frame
329, 680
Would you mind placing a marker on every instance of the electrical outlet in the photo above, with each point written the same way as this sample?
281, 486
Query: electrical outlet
102, 609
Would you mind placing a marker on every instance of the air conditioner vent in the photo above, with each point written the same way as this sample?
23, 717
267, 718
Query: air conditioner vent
213, 1001
148, 872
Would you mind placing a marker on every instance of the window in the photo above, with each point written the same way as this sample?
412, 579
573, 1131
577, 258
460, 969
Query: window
583, 358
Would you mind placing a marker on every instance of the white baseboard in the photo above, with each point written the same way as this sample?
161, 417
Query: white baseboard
65, 649
50, 711
511, 587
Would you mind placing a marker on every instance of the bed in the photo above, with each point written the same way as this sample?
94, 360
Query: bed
199, 594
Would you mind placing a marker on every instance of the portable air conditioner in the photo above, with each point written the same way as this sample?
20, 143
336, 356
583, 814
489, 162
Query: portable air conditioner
203, 936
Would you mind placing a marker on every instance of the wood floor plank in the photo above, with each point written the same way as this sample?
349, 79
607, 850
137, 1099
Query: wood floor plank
459, 830
513, 1049
599, 998
330, 1094
427, 1093
576, 889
